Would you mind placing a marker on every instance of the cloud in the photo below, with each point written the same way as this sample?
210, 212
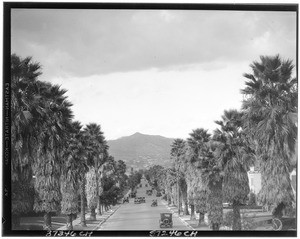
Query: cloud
97, 42
169, 103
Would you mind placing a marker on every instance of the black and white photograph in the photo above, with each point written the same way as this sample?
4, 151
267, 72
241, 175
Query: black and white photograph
143, 119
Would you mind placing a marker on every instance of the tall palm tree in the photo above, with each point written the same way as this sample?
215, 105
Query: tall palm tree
109, 169
72, 167
196, 194
178, 152
271, 96
171, 179
212, 175
234, 160
24, 102
56, 115
198, 138
96, 148
106, 159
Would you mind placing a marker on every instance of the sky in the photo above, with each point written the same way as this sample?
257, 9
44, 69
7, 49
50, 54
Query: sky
157, 72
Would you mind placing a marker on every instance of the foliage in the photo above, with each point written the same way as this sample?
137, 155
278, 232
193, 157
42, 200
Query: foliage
212, 176
122, 178
197, 187
197, 139
248, 223
24, 102
47, 183
234, 159
271, 96
69, 201
96, 145
134, 179
214, 201
234, 156
228, 219
155, 175
22, 196
51, 139
111, 193
73, 169
252, 199
46, 144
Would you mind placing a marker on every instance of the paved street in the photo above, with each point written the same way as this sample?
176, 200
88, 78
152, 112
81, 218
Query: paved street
142, 216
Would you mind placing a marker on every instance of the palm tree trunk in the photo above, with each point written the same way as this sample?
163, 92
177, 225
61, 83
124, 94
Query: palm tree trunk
99, 207
237, 224
201, 218
178, 198
185, 202
93, 214
193, 215
16, 222
82, 205
186, 208
278, 211
69, 225
47, 221
215, 226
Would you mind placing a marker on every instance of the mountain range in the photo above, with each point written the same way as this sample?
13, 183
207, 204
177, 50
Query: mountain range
142, 151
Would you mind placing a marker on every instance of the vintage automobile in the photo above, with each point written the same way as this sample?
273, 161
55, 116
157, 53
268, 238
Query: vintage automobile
142, 199
154, 203
137, 200
126, 200
165, 220
133, 194
284, 224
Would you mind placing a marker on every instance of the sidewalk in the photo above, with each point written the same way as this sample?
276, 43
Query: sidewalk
260, 219
92, 225
192, 224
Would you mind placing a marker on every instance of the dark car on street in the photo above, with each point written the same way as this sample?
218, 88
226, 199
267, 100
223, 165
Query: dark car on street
133, 194
165, 220
137, 200
154, 203
142, 199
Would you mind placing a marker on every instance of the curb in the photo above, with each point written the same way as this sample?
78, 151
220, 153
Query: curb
63, 228
183, 221
104, 220
77, 222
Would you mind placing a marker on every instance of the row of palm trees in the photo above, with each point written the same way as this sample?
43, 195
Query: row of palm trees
53, 157
210, 169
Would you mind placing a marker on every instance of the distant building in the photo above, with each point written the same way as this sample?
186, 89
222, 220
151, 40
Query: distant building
294, 180
254, 180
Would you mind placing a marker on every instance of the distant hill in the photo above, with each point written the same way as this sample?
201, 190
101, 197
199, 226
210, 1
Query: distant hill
141, 151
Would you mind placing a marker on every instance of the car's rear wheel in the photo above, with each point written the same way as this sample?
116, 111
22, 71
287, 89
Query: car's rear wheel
277, 224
